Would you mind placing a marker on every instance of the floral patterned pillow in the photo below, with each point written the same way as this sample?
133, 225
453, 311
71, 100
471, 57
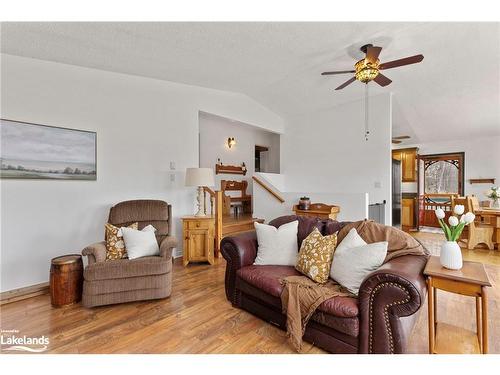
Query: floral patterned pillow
315, 256
115, 246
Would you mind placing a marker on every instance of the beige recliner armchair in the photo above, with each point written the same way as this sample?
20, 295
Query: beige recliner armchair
125, 280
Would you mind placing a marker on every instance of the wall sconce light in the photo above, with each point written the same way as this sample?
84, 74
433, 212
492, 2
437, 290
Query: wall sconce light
231, 142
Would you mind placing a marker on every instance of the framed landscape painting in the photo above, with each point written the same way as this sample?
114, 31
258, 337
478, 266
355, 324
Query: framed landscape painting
32, 151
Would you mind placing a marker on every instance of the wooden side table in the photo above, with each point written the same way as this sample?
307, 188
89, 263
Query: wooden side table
199, 239
66, 280
472, 281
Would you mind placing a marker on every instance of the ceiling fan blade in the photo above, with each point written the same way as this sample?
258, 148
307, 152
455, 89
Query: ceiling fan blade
406, 61
346, 83
402, 137
396, 141
382, 80
372, 53
338, 72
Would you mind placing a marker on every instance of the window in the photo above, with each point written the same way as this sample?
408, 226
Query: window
443, 174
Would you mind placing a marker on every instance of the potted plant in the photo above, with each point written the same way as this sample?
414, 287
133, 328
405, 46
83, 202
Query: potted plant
494, 194
451, 256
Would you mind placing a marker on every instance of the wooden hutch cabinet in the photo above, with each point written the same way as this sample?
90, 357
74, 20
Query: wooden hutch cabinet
199, 234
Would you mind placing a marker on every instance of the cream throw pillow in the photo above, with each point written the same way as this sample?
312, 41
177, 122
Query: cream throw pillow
352, 239
277, 246
140, 243
350, 266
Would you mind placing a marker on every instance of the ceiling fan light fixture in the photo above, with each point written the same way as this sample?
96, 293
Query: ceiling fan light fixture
366, 71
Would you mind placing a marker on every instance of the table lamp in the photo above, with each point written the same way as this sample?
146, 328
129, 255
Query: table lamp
200, 177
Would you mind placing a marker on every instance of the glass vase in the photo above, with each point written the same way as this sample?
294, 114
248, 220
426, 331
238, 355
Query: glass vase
496, 203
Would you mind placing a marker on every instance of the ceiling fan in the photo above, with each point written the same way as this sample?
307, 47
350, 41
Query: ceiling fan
368, 69
398, 140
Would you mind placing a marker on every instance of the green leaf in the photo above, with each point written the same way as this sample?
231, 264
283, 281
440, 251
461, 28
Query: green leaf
458, 231
446, 229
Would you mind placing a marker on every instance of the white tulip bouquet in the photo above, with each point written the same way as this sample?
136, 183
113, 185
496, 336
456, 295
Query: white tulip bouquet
493, 193
456, 225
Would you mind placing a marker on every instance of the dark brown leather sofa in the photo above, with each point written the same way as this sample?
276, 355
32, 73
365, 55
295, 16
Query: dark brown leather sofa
380, 320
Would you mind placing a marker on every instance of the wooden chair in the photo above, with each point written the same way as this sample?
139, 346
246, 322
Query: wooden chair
245, 200
476, 233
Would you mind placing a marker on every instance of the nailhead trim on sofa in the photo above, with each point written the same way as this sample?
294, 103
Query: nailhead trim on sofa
386, 312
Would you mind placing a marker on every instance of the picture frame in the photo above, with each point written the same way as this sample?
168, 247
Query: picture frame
38, 151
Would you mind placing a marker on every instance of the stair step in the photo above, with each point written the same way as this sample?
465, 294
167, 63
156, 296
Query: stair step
238, 226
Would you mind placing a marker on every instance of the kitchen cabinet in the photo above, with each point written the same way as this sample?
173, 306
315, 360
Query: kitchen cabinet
408, 212
408, 158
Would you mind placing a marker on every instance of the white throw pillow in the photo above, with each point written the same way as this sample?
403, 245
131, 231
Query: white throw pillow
352, 239
140, 243
350, 266
277, 246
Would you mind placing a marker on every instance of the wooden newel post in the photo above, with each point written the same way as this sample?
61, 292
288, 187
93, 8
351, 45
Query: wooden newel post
218, 221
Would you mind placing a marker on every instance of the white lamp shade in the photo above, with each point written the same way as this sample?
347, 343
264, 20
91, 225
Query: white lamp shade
200, 177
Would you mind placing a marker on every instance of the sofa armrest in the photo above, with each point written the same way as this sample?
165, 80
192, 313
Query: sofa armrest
166, 247
388, 300
96, 252
238, 251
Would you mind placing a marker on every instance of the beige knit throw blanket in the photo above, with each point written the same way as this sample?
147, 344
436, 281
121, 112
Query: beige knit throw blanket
301, 296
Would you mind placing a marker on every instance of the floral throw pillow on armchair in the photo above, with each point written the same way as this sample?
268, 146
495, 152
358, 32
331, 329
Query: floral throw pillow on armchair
315, 256
115, 246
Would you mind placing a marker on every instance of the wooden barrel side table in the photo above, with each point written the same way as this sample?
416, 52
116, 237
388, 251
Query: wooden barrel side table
66, 280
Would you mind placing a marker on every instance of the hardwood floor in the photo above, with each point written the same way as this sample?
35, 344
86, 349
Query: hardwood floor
198, 319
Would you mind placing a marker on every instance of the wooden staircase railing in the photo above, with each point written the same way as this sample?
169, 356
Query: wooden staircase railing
268, 189
216, 201
216, 210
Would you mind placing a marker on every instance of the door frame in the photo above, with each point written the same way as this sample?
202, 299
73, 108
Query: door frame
439, 156
443, 156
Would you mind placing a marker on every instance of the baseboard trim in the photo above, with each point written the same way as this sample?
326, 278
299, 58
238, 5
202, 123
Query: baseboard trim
23, 293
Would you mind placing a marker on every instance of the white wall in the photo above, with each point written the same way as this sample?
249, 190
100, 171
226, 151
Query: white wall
278, 181
481, 159
353, 206
326, 151
142, 124
214, 131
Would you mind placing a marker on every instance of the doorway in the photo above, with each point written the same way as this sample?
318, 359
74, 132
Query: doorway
441, 177
261, 158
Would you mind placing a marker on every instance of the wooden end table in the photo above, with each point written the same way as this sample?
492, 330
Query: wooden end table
472, 281
66, 280
199, 239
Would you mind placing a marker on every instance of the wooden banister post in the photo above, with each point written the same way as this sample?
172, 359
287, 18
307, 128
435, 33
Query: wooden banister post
218, 221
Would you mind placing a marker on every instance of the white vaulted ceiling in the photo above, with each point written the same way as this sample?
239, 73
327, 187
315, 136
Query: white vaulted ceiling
453, 94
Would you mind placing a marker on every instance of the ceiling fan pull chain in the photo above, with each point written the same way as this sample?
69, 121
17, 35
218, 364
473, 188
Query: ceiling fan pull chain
367, 130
